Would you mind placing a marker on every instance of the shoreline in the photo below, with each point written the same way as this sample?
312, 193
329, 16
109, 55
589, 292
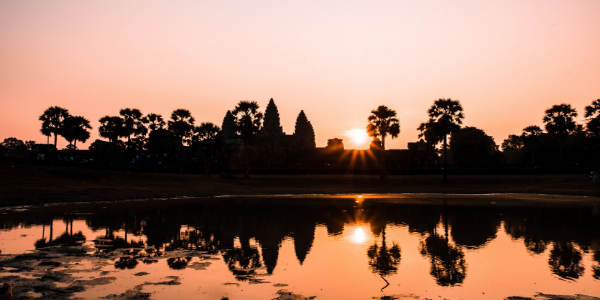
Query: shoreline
23, 185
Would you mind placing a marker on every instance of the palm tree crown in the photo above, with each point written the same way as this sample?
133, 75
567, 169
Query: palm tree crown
247, 118
592, 114
133, 122
383, 122
75, 128
52, 121
559, 119
182, 125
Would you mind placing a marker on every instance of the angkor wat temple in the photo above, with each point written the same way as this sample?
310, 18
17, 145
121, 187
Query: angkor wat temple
298, 151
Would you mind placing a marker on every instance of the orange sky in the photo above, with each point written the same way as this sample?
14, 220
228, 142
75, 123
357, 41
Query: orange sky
506, 61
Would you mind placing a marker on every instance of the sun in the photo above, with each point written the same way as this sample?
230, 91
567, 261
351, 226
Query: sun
358, 136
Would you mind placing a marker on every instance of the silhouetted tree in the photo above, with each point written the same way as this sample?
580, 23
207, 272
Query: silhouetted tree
530, 137
559, 120
471, 146
112, 128
75, 128
155, 122
14, 146
182, 125
383, 122
247, 123
592, 115
133, 124
52, 121
206, 138
513, 142
445, 115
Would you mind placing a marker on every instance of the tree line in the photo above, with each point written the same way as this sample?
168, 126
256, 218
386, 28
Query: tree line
562, 142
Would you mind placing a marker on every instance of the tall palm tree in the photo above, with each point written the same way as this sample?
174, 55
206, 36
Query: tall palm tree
446, 115
206, 137
182, 127
383, 122
133, 123
75, 128
559, 120
530, 138
592, 114
247, 122
52, 121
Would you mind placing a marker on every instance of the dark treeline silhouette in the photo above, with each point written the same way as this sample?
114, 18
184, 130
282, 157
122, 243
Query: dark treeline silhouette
249, 139
249, 234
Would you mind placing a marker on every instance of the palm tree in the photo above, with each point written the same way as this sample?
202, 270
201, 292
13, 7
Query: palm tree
247, 123
133, 123
383, 122
530, 140
559, 122
75, 128
52, 121
206, 137
182, 127
155, 121
446, 116
592, 114
112, 128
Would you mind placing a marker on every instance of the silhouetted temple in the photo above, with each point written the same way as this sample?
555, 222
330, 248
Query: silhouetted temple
298, 151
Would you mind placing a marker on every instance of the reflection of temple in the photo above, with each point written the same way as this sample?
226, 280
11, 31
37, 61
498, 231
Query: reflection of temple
253, 232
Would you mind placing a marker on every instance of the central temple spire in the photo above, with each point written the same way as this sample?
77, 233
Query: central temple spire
271, 123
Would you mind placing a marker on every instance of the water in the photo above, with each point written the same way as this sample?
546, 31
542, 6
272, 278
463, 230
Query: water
339, 247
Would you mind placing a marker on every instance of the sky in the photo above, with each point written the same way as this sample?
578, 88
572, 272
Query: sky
506, 61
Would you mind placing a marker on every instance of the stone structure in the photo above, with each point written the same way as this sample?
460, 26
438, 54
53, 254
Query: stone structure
271, 122
302, 139
304, 133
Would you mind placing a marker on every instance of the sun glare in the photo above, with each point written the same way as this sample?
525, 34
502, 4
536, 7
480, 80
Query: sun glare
359, 137
359, 236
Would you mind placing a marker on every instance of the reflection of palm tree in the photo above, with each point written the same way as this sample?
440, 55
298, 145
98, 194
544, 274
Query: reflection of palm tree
448, 265
382, 122
596, 268
566, 261
242, 261
445, 115
382, 260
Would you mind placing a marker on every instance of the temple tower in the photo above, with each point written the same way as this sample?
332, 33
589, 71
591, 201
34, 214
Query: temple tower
271, 123
228, 127
304, 133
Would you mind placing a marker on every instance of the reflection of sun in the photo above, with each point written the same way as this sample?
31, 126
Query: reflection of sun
358, 136
359, 236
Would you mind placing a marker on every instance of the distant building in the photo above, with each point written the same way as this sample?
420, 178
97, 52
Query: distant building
302, 139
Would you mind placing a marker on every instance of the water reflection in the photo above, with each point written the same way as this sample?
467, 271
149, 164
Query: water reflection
383, 260
249, 233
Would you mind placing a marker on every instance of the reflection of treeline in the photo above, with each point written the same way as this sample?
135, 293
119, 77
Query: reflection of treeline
250, 233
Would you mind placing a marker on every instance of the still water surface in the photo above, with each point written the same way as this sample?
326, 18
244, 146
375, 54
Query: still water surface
347, 247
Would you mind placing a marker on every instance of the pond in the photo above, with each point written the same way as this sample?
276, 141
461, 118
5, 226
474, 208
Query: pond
305, 247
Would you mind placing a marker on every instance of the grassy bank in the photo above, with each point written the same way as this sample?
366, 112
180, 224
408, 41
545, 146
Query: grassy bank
24, 184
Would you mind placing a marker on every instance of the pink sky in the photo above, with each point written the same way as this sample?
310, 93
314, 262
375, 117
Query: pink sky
506, 61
